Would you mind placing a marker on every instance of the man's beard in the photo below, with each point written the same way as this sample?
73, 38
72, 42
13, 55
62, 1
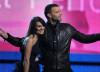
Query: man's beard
55, 20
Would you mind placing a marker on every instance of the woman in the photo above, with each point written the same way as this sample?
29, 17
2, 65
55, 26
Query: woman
30, 44
30, 48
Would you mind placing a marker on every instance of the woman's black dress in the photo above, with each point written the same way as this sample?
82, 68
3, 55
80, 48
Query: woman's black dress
34, 66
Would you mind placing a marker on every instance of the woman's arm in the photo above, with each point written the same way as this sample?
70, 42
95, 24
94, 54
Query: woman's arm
28, 47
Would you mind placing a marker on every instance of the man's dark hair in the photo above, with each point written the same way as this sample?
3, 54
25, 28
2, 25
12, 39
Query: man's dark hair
48, 9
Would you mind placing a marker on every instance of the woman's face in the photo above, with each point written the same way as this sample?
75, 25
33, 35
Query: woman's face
39, 28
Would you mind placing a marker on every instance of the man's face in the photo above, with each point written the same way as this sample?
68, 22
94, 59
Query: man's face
56, 14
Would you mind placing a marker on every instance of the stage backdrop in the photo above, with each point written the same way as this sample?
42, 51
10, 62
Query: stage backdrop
84, 15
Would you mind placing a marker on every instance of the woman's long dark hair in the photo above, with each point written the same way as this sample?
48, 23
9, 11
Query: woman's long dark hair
32, 29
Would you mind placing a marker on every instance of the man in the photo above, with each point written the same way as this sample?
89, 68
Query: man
55, 43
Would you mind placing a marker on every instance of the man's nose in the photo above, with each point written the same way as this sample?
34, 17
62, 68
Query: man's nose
60, 13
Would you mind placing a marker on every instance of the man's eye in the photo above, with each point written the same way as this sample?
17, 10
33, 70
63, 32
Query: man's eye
57, 12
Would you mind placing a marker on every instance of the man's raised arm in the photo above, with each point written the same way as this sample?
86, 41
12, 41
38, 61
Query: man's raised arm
13, 40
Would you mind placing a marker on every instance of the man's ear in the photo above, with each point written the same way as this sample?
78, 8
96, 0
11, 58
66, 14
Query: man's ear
49, 15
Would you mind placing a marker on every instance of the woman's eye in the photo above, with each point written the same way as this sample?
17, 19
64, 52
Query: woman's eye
39, 26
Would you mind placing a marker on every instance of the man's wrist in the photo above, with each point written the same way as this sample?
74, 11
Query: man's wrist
6, 38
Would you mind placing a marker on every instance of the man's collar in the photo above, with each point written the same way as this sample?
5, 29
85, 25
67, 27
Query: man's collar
51, 25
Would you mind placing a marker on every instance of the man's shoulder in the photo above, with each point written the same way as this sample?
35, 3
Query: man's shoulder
65, 24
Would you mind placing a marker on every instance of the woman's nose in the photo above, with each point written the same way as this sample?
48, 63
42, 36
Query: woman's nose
42, 27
